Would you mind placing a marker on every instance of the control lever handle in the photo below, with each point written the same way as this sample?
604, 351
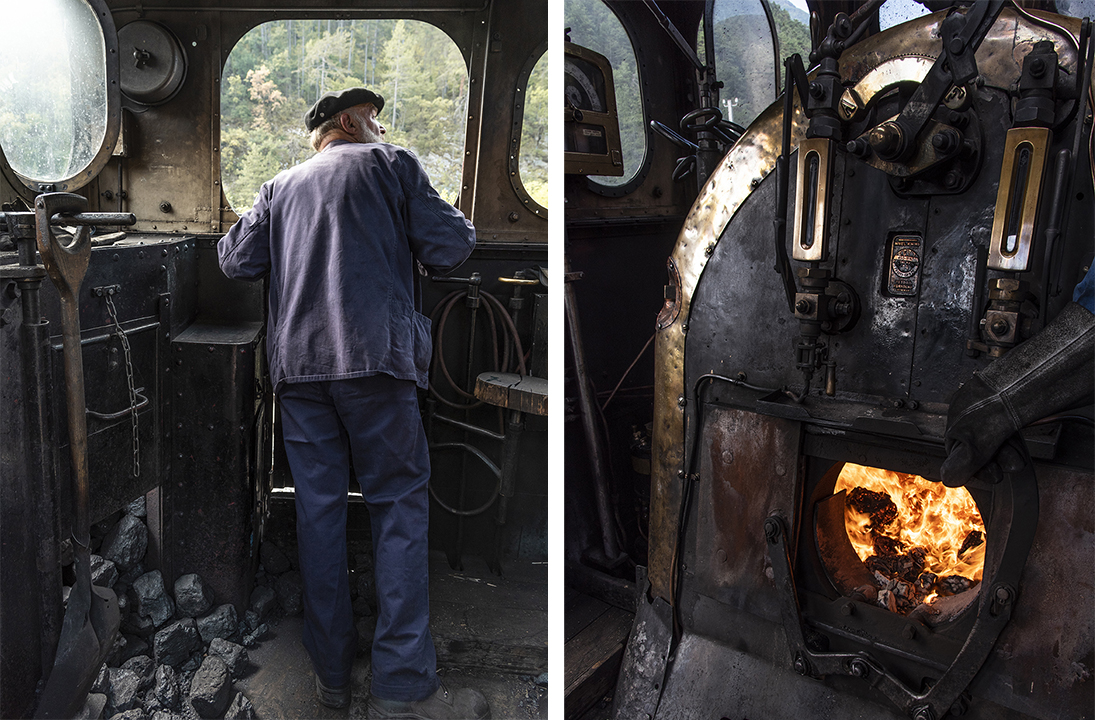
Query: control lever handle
86, 219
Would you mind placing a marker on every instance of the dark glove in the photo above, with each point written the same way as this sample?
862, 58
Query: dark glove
1050, 372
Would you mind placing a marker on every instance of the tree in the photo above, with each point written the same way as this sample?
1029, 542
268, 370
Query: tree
280, 69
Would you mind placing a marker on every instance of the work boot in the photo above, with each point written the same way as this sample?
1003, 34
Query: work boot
444, 704
333, 697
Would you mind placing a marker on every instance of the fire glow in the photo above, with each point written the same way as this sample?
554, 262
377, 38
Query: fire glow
940, 525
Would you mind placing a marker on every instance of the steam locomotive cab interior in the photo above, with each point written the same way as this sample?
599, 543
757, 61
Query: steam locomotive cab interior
143, 130
821, 219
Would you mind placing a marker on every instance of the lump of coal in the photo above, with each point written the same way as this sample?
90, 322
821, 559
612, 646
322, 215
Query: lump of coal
124, 686
973, 539
925, 583
143, 666
877, 505
263, 600
166, 686
954, 584
885, 545
192, 597
888, 600
240, 709
103, 572
220, 623
211, 689
152, 599
126, 542
176, 641
234, 656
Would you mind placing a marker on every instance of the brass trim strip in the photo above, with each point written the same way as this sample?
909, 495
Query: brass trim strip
1036, 141
818, 248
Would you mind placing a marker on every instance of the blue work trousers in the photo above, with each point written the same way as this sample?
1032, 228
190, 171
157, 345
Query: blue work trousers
376, 421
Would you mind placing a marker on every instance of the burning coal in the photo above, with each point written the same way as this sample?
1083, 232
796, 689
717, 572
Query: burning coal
920, 539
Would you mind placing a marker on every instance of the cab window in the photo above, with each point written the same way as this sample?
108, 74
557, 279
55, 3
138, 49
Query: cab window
593, 25
54, 108
279, 69
744, 54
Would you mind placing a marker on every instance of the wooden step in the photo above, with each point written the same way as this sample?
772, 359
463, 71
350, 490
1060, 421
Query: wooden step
596, 634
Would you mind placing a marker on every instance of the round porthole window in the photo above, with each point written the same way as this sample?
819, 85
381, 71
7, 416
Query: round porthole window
59, 101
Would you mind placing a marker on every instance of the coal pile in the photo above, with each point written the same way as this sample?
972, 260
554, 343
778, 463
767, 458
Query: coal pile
179, 652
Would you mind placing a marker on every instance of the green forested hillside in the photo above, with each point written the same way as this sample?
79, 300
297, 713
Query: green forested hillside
279, 69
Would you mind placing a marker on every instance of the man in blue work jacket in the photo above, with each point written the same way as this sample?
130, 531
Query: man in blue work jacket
338, 238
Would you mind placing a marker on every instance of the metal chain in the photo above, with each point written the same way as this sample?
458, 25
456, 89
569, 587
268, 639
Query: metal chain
129, 379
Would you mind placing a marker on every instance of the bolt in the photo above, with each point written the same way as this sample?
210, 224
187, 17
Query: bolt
1037, 67
952, 180
514, 217
709, 250
847, 609
771, 530
859, 147
800, 665
817, 90
1000, 327
681, 402
913, 405
908, 632
946, 140
1003, 595
165, 206
804, 306
887, 140
859, 668
899, 403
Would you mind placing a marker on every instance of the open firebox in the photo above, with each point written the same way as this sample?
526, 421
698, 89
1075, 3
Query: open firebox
805, 558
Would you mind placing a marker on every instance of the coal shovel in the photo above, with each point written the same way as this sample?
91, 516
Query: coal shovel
91, 616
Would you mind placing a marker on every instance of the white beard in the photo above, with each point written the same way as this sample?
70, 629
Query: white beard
368, 136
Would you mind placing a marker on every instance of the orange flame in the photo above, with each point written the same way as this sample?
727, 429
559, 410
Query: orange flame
929, 515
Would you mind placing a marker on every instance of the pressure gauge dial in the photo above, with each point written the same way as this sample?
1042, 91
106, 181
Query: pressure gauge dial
584, 86
591, 136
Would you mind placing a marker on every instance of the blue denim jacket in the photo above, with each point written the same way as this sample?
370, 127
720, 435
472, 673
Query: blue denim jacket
338, 237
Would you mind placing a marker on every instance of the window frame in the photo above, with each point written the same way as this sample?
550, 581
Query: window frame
516, 128
615, 191
113, 116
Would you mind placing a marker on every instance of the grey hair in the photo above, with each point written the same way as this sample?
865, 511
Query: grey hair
333, 123
324, 128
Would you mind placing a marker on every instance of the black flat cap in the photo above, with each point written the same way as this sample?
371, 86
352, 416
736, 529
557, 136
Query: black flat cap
333, 103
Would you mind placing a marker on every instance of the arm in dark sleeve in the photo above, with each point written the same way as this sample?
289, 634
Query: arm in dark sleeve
1085, 291
440, 236
244, 252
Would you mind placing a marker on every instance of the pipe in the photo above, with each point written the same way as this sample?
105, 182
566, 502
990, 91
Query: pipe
36, 376
593, 439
